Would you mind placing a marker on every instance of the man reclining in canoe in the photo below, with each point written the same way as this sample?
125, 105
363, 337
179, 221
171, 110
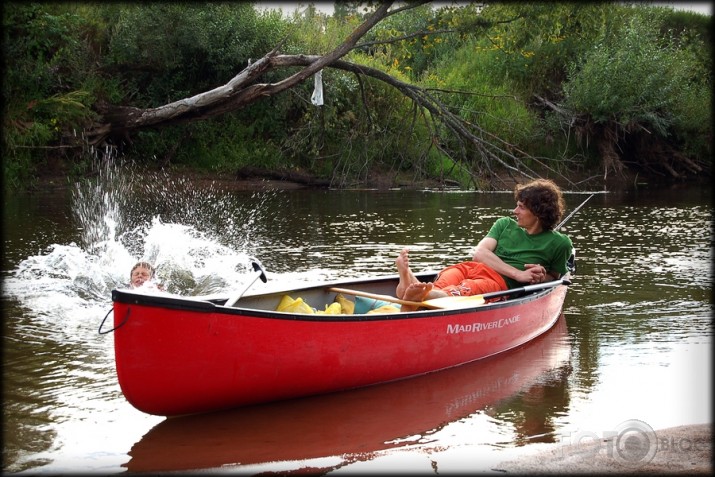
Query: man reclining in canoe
514, 252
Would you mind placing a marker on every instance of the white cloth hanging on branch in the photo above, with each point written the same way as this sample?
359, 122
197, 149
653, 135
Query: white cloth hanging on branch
317, 98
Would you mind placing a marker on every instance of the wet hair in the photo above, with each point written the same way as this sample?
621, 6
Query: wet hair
146, 265
544, 199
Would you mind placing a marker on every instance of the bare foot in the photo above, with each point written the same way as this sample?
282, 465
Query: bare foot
415, 292
406, 276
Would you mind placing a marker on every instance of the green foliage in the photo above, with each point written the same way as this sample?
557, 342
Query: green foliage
690, 28
410, 54
537, 40
347, 137
640, 78
314, 33
222, 145
47, 51
444, 168
167, 51
225, 145
44, 92
632, 64
487, 100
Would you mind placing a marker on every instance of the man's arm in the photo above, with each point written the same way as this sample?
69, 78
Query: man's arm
484, 252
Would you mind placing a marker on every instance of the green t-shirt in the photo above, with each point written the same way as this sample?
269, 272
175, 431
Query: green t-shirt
516, 247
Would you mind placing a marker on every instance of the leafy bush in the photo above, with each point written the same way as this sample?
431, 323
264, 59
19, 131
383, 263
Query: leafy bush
487, 99
639, 77
167, 51
45, 96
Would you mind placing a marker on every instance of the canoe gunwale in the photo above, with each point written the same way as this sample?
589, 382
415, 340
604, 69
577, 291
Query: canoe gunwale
197, 305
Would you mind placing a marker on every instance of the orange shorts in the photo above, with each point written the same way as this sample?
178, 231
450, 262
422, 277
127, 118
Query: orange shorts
469, 278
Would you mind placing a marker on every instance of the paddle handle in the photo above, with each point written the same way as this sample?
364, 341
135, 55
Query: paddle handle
527, 288
389, 298
257, 273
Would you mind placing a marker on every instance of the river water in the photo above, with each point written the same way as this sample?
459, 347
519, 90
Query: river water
632, 349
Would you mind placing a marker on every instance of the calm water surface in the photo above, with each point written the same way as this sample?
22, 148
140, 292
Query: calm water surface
634, 342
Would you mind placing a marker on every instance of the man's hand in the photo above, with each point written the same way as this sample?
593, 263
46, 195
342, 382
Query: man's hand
535, 273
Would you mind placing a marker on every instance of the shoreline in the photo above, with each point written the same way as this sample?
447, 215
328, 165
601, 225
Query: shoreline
678, 450
256, 182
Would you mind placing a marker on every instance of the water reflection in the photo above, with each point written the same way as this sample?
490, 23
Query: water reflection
354, 425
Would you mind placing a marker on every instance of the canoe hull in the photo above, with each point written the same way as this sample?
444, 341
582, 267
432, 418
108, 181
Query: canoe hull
381, 417
177, 356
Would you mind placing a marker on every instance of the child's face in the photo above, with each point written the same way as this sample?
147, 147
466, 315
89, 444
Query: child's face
139, 276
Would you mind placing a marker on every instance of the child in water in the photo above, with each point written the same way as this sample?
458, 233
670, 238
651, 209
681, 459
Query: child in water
142, 275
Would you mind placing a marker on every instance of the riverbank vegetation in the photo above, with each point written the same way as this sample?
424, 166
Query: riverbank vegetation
464, 95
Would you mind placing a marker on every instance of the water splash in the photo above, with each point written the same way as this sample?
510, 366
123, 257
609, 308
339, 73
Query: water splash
201, 240
98, 206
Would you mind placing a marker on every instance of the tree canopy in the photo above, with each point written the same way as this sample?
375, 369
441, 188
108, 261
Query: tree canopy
465, 94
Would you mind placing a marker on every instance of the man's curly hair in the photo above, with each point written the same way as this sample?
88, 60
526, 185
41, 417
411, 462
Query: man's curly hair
544, 199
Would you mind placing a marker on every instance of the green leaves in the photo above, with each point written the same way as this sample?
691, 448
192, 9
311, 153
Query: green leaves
633, 66
638, 76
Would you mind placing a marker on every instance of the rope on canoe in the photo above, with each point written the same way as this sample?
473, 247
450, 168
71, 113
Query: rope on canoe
116, 327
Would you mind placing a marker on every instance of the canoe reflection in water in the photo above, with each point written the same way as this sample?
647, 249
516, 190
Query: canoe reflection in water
355, 424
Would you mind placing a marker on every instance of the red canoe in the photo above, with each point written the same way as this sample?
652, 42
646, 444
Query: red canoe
184, 355
357, 425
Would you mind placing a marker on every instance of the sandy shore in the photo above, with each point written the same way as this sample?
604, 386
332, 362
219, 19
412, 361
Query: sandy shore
676, 450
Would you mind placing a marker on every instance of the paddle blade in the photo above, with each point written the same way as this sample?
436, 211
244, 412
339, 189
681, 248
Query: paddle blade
448, 302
